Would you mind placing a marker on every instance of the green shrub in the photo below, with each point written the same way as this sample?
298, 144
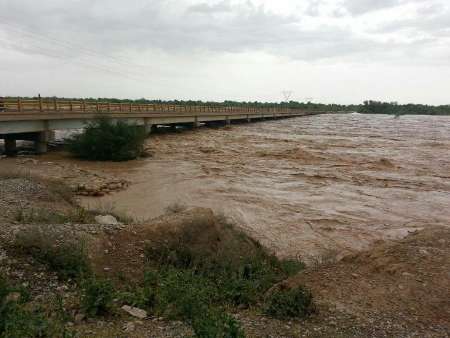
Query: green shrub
216, 324
68, 259
181, 294
141, 297
286, 303
97, 297
19, 320
239, 268
105, 140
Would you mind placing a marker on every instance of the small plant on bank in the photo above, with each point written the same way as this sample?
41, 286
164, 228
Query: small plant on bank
97, 296
290, 303
67, 259
47, 216
216, 324
105, 140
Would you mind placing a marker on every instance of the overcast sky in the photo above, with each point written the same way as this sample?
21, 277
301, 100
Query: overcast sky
342, 51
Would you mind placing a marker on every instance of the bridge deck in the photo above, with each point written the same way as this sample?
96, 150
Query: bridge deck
25, 116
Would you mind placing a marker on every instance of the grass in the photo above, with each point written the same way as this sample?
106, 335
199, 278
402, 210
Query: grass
68, 259
20, 319
47, 216
214, 323
105, 140
290, 303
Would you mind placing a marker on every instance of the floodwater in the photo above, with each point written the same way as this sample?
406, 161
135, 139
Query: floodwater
303, 186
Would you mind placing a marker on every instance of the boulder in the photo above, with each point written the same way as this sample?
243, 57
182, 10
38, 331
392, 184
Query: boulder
135, 312
106, 220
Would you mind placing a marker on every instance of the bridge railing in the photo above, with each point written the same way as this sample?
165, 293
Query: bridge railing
67, 106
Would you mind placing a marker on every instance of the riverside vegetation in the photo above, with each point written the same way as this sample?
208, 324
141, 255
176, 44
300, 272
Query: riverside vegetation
104, 140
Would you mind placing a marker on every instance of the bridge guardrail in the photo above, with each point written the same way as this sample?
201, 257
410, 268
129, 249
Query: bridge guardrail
43, 105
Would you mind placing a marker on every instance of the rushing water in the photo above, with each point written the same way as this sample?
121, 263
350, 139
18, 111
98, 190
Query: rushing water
303, 186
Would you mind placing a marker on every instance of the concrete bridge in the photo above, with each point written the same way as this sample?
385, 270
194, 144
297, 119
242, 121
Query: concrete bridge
36, 119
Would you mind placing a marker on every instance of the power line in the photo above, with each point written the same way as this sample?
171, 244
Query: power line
86, 53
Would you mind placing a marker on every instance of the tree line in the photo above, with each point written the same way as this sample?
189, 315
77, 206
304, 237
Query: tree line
393, 108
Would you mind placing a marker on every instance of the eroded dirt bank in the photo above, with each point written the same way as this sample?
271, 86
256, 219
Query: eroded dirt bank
303, 186
319, 185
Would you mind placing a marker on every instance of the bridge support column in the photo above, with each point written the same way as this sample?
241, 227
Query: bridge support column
249, 119
10, 146
41, 142
227, 121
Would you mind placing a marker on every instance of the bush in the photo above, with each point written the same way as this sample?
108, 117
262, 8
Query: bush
297, 302
105, 140
68, 259
97, 297
181, 294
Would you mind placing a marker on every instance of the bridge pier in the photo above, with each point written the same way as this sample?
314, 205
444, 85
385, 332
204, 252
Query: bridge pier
10, 146
41, 140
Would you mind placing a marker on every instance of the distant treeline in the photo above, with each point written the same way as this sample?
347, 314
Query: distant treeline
393, 108
368, 107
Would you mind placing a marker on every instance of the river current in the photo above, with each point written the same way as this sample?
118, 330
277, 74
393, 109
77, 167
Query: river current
303, 186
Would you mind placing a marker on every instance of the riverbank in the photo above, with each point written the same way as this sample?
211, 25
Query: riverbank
399, 284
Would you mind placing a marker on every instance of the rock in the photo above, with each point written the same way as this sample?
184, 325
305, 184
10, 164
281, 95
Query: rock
129, 327
79, 317
135, 312
106, 220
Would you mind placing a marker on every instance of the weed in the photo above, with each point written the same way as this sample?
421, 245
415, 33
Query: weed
97, 297
297, 302
19, 320
326, 257
46, 216
68, 259
216, 324
182, 295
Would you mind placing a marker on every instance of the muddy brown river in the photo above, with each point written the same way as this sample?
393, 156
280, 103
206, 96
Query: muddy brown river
304, 186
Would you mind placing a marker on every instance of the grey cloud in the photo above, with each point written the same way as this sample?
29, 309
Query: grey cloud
110, 27
432, 20
223, 6
357, 7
